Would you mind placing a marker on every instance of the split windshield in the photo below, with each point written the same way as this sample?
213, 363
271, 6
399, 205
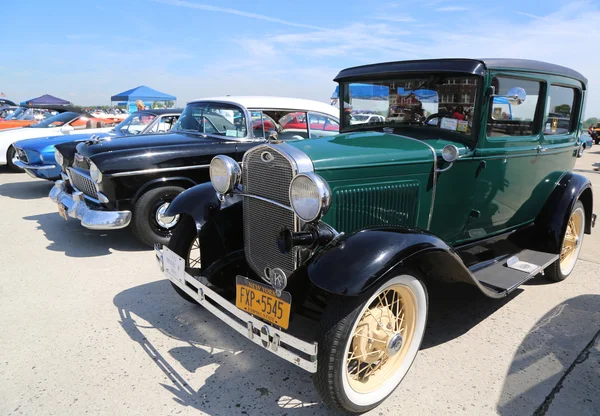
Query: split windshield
442, 101
220, 119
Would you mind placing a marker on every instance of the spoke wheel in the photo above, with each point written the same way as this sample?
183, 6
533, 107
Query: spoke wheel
572, 241
381, 338
570, 247
368, 343
193, 260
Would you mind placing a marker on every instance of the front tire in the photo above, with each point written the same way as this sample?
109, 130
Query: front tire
369, 342
149, 223
10, 155
570, 247
186, 244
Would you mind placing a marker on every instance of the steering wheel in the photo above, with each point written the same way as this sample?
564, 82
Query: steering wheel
438, 116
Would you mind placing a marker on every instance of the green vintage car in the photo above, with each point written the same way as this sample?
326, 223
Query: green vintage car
321, 250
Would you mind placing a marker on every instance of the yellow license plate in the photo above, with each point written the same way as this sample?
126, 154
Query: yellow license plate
262, 301
62, 211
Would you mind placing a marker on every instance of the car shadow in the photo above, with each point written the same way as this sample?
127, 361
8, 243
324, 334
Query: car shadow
26, 190
244, 378
557, 343
76, 241
454, 309
6, 169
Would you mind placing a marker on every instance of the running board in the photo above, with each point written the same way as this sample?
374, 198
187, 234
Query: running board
509, 274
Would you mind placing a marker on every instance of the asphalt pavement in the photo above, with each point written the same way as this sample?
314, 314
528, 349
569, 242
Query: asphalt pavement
90, 326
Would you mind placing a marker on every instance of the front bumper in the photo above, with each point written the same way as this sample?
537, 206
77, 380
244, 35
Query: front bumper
292, 349
76, 207
36, 171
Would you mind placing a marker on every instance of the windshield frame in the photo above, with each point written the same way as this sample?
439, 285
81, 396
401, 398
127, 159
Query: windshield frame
127, 123
469, 139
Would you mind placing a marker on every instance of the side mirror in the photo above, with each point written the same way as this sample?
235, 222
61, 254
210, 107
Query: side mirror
516, 95
66, 129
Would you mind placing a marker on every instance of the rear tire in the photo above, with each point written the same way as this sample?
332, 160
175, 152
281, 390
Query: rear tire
570, 247
10, 154
183, 243
148, 225
368, 343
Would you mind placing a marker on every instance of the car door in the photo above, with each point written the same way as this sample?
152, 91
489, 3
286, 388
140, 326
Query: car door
560, 132
508, 159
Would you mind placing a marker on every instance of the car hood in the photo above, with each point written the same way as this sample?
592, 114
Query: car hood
43, 142
7, 137
131, 143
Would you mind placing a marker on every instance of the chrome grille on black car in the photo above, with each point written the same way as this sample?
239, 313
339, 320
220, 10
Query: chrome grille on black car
267, 176
83, 182
21, 155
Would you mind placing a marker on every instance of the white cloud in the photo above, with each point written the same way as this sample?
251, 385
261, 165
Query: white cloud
397, 19
237, 12
533, 16
452, 9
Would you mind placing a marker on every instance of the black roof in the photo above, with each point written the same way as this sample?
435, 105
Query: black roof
470, 66
161, 111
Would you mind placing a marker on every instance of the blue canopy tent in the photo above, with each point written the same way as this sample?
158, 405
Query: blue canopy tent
46, 99
145, 94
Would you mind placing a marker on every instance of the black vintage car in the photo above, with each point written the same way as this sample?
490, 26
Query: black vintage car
108, 184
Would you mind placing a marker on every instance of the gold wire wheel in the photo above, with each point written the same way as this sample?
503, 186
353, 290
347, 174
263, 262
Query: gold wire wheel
381, 338
571, 242
194, 260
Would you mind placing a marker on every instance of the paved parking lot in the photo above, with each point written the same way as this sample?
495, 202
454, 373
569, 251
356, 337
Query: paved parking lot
89, 326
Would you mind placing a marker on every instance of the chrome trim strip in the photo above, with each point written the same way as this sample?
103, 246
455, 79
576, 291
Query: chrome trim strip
276, 341
264, 199
155, 170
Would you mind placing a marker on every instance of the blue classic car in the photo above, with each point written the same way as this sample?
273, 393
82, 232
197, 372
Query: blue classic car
36, 156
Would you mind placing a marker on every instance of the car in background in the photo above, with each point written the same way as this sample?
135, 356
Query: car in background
66, 122
586, 143
366, 118
36, 156
25, 116
6, 111
112, 184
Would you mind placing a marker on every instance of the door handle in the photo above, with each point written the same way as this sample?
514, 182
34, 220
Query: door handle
541, 149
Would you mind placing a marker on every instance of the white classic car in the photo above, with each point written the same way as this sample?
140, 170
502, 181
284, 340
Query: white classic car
64, 123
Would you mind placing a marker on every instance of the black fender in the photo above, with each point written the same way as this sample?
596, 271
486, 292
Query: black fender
354, 263
200, 202
551, 221
218, 221
161, 181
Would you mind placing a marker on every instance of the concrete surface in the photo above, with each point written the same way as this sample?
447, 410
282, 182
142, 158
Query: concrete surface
89, 326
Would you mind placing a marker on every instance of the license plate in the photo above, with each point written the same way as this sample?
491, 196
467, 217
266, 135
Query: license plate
261, 300
174, 266
62, 211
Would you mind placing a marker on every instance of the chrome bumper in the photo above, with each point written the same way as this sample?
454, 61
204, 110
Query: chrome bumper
24, 165
76, 207
290, 348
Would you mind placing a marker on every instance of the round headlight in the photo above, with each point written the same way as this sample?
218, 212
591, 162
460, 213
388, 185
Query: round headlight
450, 153
59, 157
225, 174
310, 196
95, 173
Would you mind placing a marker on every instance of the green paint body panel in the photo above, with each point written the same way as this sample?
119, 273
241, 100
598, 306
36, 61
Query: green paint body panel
498, 184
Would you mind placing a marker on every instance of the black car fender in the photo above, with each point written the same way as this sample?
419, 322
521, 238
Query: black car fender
352, 264
199, 202
164, 181
553, 217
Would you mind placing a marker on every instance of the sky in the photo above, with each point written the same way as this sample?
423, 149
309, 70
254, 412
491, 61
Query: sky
87, 51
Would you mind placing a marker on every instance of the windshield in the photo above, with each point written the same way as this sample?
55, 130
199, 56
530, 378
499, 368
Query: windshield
213, 118
17, 113
58, 120
444, 102
134, 124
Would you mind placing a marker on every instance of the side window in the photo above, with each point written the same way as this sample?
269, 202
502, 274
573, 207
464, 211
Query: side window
559, 110
321, 125
262, 124
514, 117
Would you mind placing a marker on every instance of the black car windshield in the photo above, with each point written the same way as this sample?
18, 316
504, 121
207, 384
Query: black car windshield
58, 120
134, 124
442, 101
220, 119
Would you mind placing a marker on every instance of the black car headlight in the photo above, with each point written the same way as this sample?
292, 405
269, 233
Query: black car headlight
225, 174
310, 196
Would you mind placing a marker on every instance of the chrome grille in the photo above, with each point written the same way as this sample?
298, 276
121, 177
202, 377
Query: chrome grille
21, 155
83, 182
264, 220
